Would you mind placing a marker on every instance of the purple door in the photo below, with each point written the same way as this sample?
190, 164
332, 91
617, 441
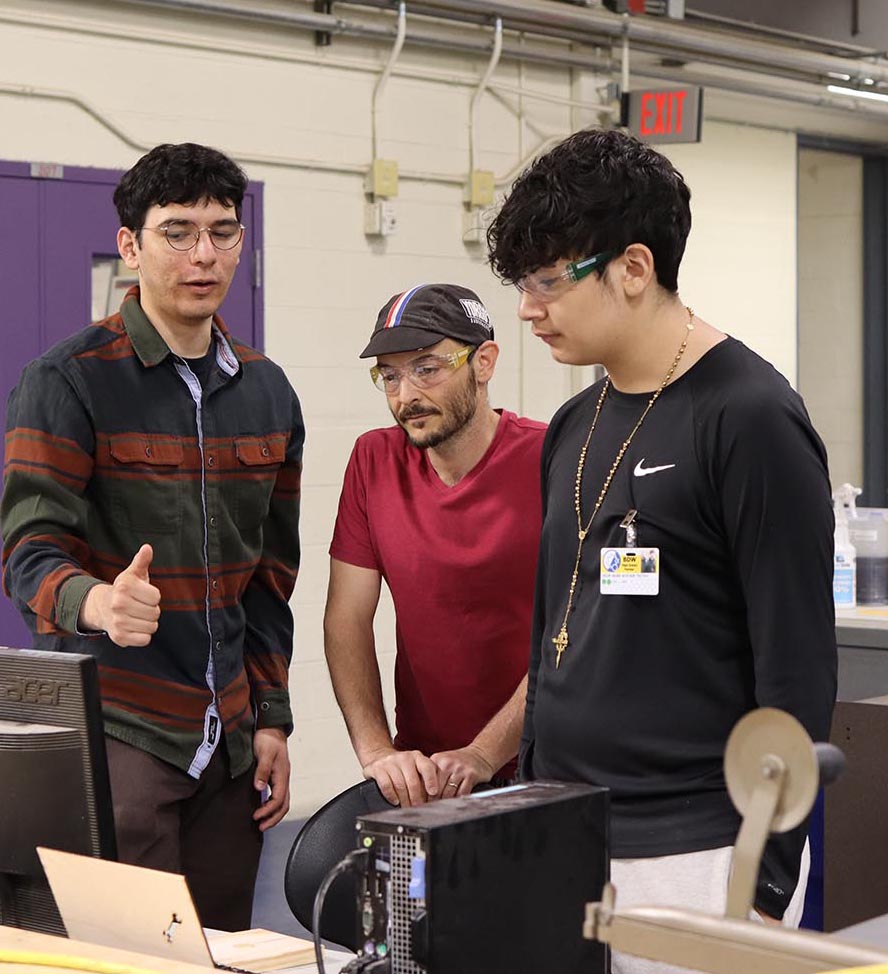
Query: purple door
58, 230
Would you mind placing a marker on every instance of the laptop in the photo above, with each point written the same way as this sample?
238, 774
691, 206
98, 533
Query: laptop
152, 912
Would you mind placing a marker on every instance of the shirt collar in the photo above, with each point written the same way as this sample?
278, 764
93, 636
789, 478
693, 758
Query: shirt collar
150, 347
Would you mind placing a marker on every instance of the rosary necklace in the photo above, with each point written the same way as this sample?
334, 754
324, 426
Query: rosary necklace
561, 641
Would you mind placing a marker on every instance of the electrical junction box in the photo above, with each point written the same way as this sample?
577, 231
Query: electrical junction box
480, 188
493, 882
474, 225
380, 218
381, 181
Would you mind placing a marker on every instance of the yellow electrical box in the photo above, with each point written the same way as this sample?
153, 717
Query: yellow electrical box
480, 188
381, 181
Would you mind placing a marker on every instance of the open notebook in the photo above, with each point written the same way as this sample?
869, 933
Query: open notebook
152, 912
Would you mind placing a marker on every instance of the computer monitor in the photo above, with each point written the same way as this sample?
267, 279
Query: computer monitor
55, 789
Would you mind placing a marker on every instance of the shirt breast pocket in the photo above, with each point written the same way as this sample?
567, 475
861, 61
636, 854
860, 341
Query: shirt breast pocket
148, 483
258, 460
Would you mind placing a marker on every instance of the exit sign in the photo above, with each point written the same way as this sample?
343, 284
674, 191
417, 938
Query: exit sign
664, 114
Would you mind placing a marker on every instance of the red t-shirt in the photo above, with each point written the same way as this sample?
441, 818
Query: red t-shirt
460, 564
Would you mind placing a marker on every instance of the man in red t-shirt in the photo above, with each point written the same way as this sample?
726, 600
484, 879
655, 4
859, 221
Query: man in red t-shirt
445, 507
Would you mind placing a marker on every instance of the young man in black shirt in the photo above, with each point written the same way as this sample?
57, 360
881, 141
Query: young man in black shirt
693, 446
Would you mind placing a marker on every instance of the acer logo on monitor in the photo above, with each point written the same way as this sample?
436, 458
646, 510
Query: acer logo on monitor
34, 690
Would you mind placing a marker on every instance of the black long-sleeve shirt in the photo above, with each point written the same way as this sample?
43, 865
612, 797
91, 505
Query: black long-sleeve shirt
650, 687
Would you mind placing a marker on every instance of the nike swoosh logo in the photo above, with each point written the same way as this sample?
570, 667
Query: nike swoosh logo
641, 471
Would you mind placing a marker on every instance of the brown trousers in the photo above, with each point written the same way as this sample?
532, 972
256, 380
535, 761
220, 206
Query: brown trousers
202, 828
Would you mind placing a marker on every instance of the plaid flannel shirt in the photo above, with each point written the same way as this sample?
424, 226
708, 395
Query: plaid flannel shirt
111, 443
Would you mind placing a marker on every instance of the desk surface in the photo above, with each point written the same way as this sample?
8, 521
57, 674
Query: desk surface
872, 933
15, 944
867, 625
869, 933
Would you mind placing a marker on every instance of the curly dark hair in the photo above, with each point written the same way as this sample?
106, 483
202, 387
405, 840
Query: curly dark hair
596, 191
185, 173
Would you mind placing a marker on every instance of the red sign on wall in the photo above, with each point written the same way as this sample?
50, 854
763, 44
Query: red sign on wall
664, 114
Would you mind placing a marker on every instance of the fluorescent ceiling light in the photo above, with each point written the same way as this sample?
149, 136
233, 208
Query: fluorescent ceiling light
856, 93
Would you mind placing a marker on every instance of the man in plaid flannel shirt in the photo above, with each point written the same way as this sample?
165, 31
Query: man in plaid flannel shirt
150, 518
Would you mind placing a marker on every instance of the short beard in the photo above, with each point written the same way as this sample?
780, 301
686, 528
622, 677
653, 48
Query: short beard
459, 413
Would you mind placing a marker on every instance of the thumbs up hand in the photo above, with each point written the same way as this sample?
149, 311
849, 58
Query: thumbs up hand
129, 609
140, 564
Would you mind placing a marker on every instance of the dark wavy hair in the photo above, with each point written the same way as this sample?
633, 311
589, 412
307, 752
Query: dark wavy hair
596, 191
186, 173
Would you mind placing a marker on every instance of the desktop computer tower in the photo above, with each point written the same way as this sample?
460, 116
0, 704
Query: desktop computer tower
493, 882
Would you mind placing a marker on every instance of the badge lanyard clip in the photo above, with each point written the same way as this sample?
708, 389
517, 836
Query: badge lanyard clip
629, 526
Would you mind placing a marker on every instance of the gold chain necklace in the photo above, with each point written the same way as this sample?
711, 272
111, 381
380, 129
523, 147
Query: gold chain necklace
561, 640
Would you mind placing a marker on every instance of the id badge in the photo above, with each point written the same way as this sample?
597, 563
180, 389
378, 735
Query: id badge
630, 571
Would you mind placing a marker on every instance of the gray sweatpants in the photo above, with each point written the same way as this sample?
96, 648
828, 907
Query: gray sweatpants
693, 881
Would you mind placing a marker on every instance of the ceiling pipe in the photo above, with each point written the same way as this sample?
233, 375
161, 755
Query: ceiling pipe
811, 41
335, 25
741, 86
418, 9
325, 23
525, 51
593, 24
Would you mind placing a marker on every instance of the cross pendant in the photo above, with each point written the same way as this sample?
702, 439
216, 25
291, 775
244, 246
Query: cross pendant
560, 645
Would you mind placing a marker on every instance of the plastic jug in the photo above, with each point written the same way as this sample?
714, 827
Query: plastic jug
844, 553
868, 532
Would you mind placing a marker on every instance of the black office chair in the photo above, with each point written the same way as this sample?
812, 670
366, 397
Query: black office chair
325, 839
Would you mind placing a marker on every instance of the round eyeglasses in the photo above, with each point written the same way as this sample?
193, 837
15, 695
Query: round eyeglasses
185, 236
423, 373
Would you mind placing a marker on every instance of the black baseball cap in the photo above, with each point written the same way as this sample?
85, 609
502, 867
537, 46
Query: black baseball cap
427, 314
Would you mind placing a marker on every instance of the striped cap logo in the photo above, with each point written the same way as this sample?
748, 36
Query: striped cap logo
397, 309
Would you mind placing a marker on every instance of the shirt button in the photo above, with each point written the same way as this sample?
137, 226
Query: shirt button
211, 461
213, 521
265, 705
218, 644
265, 451
215, 583
147, 451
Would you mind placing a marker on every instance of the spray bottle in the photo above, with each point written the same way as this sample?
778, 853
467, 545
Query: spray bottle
845, 554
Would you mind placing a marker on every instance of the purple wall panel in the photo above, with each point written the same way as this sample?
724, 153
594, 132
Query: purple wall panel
20, 318
237, 309
20, 312
50, 230
79, 222
256, 241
